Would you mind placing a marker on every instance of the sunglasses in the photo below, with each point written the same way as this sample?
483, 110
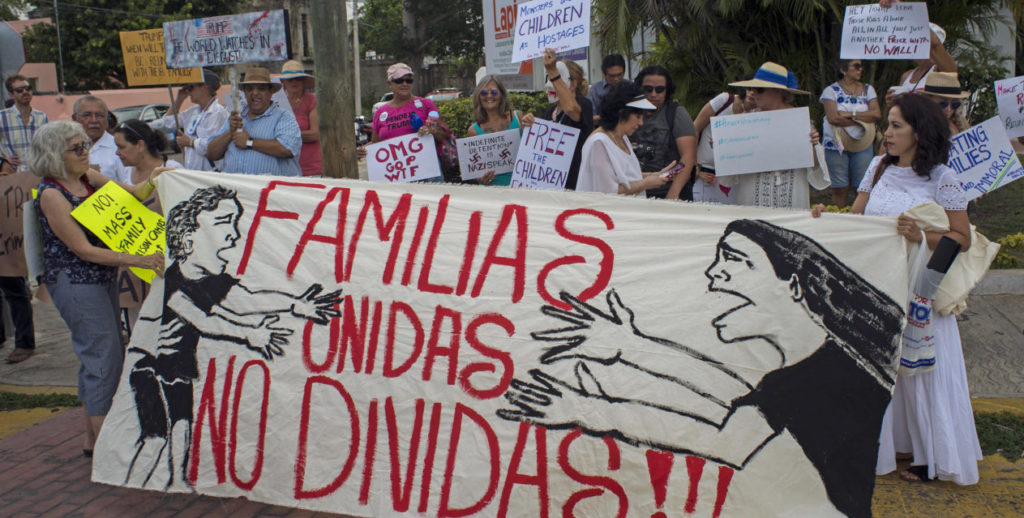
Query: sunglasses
947, 104
858, 66
658, 89
490, 93
80, 149
21, 89
400, 80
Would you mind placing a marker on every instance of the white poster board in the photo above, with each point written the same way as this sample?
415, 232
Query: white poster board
402, 159
490, 152
897, 32
227, 40
762, 141
1010, 99
442, 350
983, 158
545, 155
558, 24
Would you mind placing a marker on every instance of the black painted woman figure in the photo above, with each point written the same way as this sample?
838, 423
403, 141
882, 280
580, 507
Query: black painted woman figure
202, 300
835, 335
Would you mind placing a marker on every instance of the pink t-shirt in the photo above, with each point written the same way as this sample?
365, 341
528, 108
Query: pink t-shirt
391, 122
309, 158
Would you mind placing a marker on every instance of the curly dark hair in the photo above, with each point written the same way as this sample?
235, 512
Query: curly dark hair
932, 129
181, 219
613, 106
658, 70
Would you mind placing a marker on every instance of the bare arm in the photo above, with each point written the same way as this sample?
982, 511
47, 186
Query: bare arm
836, 117
313, 133
940, 56
566, 97
687, 148
873, 114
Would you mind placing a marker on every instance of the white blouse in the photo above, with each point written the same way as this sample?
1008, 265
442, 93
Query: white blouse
605, 166
900, 188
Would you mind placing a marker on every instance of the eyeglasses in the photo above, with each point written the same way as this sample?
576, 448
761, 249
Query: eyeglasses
490, 93
657, 89
858, 66
400, 80
22, 89
759, 89
125, 126
81, 149
947, 104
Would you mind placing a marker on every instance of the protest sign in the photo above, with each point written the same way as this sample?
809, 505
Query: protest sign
145, 63
443, 350
897, 32
489, 152
123, 223
1010, 99
762, 141
402, 159
545, 155
557, 24
983, 158
15, 192
499, 27
227, 40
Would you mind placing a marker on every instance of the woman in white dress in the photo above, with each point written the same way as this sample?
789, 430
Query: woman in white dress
609, 164
930, 419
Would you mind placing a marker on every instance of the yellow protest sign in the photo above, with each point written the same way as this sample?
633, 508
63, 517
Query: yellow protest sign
123, 223
145, 62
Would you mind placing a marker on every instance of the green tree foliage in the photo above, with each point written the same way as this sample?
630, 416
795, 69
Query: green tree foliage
409, 30
706, 44
89, 34
458, 113
9, 9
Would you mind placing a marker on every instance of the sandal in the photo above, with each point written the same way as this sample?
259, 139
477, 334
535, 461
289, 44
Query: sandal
20, 355
915, 474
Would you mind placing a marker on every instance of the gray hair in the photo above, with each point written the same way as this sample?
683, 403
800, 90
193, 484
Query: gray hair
46, 154
88, 98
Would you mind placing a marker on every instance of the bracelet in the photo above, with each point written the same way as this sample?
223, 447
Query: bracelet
149, 181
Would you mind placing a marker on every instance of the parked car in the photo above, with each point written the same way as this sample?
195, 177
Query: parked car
147, 113
444, 94
383, 100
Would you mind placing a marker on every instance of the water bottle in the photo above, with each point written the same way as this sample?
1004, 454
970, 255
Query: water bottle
415, 121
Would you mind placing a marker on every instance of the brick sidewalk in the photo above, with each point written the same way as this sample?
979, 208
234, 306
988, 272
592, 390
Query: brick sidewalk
43, 473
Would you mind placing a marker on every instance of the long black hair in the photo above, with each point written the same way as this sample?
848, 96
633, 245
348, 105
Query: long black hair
931, 126
862, 320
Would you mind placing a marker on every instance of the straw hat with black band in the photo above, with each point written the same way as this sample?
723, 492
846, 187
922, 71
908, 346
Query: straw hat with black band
944, 84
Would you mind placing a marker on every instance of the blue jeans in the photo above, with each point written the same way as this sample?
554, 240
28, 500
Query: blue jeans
847, 169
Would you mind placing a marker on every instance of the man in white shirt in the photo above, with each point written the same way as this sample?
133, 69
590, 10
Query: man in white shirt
199, 123
91, 112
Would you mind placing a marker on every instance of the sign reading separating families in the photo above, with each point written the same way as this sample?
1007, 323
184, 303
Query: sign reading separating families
897, 32
1010, 99
227, 40
145, 63
403, 350
545, 155
123, 223
490, 152
983, 158
762, 141
558, 24
402, 159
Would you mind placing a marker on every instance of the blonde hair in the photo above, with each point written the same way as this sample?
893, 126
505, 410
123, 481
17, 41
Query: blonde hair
576, 74
504, 107
50, 142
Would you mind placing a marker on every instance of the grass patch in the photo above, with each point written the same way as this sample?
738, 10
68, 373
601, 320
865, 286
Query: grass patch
1001, 432
14, 401
1001, 212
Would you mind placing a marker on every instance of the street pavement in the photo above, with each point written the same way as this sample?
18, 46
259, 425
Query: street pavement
43, 472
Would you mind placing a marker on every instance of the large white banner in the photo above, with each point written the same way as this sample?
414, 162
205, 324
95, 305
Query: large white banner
438, 350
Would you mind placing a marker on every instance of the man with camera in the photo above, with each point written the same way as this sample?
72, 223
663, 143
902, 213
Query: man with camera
667, 135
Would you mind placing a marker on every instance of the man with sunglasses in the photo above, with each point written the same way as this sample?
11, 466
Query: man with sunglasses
91, 112
19, 122
666, 136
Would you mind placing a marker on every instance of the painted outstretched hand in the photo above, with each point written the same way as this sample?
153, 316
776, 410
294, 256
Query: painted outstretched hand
551, 402
266, 340
313, 306
592, 334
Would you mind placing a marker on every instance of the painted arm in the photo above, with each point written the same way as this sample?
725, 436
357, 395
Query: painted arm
261, 337
310, 304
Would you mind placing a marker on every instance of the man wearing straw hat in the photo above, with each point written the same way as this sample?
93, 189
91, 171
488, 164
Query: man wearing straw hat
199, 123
772, 88
264, 139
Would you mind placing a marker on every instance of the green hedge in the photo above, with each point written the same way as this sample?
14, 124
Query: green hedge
458, 113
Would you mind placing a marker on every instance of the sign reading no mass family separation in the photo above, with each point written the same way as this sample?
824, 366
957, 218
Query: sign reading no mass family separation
545, 155
897, 32
145, 62
491, 152
410, 350
558, 24
983, 158
227, 40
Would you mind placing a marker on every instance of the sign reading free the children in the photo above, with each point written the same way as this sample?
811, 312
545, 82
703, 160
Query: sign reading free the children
557, 24
983, 158
123, 223
897, 32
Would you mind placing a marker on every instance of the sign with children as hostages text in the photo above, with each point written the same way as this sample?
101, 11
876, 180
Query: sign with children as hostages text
897, 32
983, 158
227, 40
558, 24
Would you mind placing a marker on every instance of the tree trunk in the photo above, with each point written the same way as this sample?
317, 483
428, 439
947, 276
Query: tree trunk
335, 96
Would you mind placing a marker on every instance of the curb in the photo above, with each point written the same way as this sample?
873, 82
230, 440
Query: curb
1001, 282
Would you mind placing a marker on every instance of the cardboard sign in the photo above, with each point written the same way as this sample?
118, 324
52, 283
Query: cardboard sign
490, 152
123, 223
983, 158
1010, 98
545, 155
227, 40
425, 350
558, 24
15, 192
897, 32
145, 64
402, 159
499, 28
775, 140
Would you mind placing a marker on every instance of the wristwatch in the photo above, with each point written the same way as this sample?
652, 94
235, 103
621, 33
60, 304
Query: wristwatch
249, 143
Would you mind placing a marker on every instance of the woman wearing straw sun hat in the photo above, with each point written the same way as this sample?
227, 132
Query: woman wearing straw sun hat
944, 89
297, 84
772, 88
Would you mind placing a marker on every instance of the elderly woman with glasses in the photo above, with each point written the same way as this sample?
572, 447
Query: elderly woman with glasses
492, 113
79, 269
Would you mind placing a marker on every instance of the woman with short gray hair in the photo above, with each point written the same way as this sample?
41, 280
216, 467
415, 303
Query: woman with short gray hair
79, 270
